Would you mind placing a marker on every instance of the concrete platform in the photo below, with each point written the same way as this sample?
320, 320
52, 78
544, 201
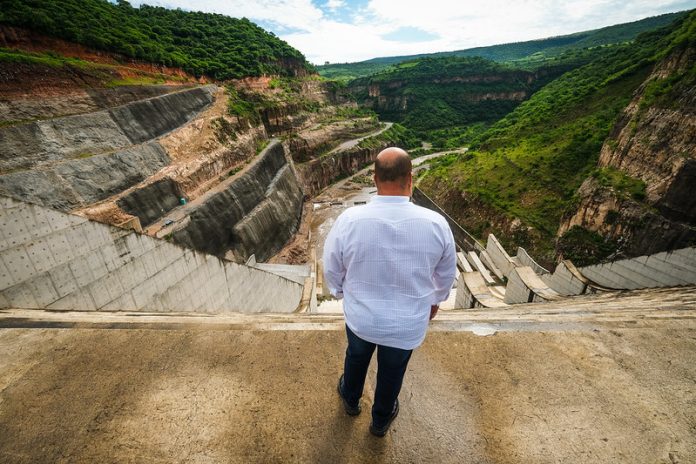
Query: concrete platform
587, 380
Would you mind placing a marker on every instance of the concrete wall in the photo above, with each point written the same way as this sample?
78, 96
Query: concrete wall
665, 269
255, 213
499, 256
54, 260
153, 200
464, 299
526, 260
464, 239
566, 280
76, 160
524, 286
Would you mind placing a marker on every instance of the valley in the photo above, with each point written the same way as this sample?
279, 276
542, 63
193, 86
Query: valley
168, 179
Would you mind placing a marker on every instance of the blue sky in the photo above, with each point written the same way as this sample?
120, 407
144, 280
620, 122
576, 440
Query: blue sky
353, 30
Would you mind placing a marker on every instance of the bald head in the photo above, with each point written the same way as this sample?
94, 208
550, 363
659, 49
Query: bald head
393, 171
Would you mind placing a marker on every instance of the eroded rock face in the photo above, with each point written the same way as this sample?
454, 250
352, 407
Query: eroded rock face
394, 98
319, 173
256, 212
313, 142
74, 161
654, 141
637, 228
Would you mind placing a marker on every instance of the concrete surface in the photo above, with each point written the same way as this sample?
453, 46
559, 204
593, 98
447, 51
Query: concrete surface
665, 269
501, 259
525, 286
73, 161
602, 380
253, 212
54, 260
566, 279
526, 260
474, 292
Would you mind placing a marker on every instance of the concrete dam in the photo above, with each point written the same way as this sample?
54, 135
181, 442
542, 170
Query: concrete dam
153, 165
216, 199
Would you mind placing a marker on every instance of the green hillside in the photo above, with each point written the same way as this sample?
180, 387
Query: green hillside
202, 44
530, 50
451, 93
529, 164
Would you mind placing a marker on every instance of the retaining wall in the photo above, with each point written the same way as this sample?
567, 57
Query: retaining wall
319, 173
80, 182
256, 212
77, 160
665, 269
54, 260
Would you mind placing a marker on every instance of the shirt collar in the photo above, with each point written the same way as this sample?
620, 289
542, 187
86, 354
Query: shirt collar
391, 199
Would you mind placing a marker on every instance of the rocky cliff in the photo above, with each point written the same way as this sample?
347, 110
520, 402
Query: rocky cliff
653, 146
74, 161
319, 173
444, 92
256, 211
315, 141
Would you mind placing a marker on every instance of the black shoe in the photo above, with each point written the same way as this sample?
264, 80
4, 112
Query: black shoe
382, 431
350, 410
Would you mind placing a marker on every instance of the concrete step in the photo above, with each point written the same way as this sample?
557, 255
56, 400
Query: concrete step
525, 286
474, 292
525, 260
501, 259
478, 265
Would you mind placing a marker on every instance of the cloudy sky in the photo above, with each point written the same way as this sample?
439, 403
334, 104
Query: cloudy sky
353, 30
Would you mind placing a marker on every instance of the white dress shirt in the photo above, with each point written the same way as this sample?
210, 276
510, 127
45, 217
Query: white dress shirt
389, 260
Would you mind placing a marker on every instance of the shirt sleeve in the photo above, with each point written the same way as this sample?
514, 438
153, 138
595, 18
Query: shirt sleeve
446, 269
334, 270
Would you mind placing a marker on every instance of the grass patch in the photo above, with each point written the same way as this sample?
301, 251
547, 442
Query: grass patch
621, 182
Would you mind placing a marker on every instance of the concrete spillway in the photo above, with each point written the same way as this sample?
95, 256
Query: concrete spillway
54, 260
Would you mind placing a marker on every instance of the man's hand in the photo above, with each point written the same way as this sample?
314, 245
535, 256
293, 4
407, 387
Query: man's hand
433, 311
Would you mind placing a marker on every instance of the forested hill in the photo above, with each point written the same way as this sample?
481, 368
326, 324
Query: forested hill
521, 174
200, 43
530, 50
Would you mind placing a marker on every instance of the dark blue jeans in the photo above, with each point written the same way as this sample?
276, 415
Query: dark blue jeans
391, 367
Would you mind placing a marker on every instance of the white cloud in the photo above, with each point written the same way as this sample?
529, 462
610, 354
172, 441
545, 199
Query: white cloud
323, 36
335, 4
295, 14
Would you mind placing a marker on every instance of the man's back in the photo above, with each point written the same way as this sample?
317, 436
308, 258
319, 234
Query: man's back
391, 260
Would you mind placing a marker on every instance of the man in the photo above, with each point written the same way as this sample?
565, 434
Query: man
392, 262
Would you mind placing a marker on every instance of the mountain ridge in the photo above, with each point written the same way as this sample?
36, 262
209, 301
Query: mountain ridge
511, 51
